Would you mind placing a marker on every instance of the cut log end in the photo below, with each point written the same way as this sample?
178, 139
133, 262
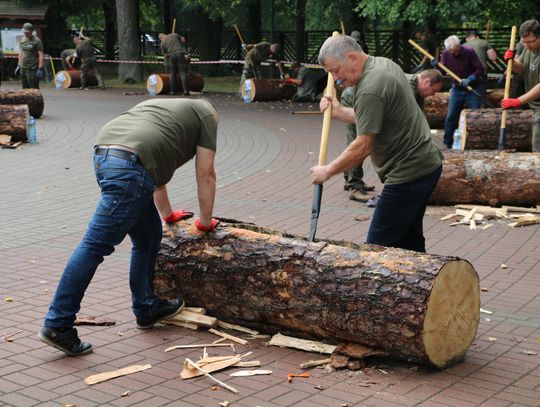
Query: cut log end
453, 314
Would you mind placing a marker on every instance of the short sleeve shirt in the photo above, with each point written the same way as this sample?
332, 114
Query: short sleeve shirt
85, 49
30, 48
164, 132
384, 106
481, 48
259, 53
309, 82
172, 43
531, 73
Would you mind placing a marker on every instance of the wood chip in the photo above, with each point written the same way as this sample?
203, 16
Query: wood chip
492, 339
10, 337
225, 403
449, 216
207, 374
246, 373
229, 337
194, 318
96, 321
472, 224
303, 344
504, 266
315, 363
339, 361
358, 351
5, 138
239, 328
485, 311
484, 289
101, 377
361, 218
529, 352
126, 393
521, 209
202, 345
191, 371
486, 227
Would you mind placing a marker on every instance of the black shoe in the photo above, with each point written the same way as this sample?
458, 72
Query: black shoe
165, 309
67, 341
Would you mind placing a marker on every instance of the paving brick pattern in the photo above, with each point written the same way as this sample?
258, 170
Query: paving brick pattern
48, 193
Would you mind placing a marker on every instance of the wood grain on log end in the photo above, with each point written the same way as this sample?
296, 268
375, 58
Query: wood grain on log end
334, 291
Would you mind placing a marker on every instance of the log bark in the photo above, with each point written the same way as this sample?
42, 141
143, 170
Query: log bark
14, 121
489, 178
72, 79
265, 90
31, 97
436, 106
161, 82
480, 129
415, 306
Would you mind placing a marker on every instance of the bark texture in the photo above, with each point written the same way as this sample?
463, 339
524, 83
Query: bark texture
489, 178
195, 83
266, 90
480, 129
14, 121
72, 79
127, 12
31, 97
381, 297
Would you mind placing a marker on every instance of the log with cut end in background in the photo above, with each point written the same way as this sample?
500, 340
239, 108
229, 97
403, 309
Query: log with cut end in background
266, 90
415, 306
436, 106
31, 97
161, 83
72, 79
488, 178
14, 121
480, 129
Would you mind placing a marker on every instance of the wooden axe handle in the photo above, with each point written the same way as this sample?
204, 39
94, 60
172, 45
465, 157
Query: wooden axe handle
508, 76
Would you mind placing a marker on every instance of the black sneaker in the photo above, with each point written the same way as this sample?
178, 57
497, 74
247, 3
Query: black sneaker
67, 341
165, 309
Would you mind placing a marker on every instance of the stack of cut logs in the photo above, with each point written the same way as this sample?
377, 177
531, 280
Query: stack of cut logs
16, 106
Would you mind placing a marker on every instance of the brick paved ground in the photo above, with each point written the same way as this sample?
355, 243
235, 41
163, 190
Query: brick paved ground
47, 196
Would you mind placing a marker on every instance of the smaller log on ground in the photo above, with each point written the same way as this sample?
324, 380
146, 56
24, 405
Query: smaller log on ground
72, 79
14, 121
161, 83
480, 129
436, 106
266, 90
488, 178
31, 97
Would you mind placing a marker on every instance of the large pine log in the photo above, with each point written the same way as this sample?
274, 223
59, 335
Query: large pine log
72, 79
265, 90
31, 97
14, 121
436, 106
480, 129
161, 83
489, 178
414, 306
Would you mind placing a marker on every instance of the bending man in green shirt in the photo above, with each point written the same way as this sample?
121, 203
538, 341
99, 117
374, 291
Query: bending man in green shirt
393, 131
135, 154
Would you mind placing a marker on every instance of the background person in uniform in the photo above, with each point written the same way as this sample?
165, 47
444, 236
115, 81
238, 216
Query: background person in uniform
393, 131
528, 63
176, 63
135, 153
430, 42
464, 62
30, 63
484, 50
256, 54
425, 84
65, 58
85, 52
306, 81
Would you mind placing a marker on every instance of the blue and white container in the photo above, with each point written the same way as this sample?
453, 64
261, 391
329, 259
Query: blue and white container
32, 138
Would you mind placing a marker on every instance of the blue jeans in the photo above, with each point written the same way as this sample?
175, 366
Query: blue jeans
125, 207
458, 97
398, 216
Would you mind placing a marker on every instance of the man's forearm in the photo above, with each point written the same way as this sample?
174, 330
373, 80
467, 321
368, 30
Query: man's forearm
533, 94
41, 59
206, 191
353, 155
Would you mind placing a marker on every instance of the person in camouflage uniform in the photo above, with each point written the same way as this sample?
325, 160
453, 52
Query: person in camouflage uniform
30, 63
85, 52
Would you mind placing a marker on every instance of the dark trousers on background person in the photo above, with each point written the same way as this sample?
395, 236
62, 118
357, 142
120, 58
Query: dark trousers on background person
29, 79
459, 96
398, 217
177, 64
90, 64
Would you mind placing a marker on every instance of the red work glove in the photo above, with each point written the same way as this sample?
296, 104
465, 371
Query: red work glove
208, 228
290, 80
509, 54
510, 102
178, 215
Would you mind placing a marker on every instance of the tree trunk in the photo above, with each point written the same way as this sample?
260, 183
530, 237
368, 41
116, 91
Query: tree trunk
264, 90
14, 121
31, 97
72, 79
195, 82
300, 25
480, 129
166, 9
415, 306
127, 12
253, 23
209, 37
436, 106
488, 178
109, 12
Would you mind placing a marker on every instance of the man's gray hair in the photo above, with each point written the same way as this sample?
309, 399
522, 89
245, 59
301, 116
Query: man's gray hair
338, 47
451, 42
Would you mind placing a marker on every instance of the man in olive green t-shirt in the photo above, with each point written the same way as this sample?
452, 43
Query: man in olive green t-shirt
30, 62
174, 52
136, 153
528, 63
256, 54
85, 52
393, 131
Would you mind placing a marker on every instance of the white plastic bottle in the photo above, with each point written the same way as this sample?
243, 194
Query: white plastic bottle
32, 130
